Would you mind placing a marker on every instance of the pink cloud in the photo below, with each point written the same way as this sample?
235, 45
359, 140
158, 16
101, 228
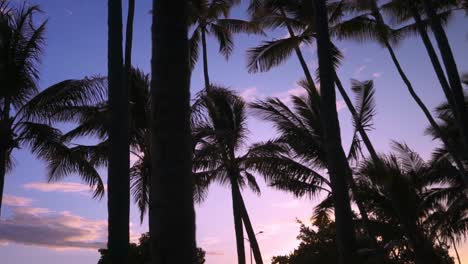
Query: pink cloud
11, 200
65, 187
249, 94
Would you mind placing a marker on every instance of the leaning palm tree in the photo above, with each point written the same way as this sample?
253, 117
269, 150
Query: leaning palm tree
369, 24
221, 128
172, 214
402, 11
338, 166
210, 17
23, 122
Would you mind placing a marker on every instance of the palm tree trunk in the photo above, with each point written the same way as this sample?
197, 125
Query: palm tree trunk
4, 142
129, 35
118, 169
250, 231
433, 57
362, 132
172, 214
451, 69
3, 157
338, 167
456, 250
205, 60
236, 208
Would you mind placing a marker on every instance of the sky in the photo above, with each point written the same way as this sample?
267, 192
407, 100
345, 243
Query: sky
60, 222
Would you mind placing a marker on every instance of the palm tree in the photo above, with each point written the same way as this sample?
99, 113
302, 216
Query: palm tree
172, 214
338, 167
211, 17
399, 10
221, 129
369, 24
118, 182
23, 120
405, 180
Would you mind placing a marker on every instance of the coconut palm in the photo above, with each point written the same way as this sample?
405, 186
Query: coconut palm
338, 167
445, 9
23, 122
118, 168
221, 129
369, 24
210, 17
407, 182
172, 214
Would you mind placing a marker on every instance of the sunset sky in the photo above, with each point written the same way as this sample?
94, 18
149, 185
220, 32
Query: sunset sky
56, 223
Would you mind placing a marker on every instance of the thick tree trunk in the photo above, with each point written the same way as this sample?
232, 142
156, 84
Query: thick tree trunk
338, 167
118, 169
172, 214
236, 208
451, 68
250, 231
4, 142
205, 61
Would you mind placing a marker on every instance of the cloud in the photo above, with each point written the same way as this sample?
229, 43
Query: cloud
64, 187
377, 74
42, 227
360, 69
249, 94
68, 12
11, 200
340, 105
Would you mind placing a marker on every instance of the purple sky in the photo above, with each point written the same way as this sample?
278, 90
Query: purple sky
58, 223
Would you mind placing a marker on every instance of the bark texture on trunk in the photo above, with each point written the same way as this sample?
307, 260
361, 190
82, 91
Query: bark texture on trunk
338, 167
118, 168
172, 214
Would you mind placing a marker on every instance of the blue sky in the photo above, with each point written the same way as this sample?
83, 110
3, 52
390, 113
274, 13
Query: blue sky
76, 46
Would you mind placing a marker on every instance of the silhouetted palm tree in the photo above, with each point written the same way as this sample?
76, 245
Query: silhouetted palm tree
24, 121
210, 17
369, 24
404, 180
338, 167
118, 183
172, 214
221, 128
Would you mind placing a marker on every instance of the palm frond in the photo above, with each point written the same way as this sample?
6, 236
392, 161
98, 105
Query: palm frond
365, 104
224, 38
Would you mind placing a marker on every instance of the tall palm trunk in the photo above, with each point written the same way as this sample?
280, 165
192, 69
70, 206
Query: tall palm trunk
417, 99
338, 167
205, 61
118, 169
129, 36
4, 142
451, 69
362, 132
236, 208
172, 214
454, 244
249, 228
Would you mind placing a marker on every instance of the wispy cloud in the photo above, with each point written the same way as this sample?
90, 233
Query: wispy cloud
359, 70
11, 200
42, 227
250, 94
377, 74
68, 12
64, 187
